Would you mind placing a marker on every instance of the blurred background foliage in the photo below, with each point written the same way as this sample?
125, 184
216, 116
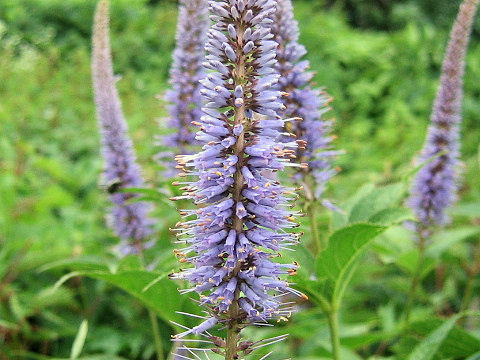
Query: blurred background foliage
380, 59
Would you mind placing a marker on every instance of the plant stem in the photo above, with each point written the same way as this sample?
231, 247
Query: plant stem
415, 279
334, 333
233, 330
472, 272
312, 210
239, 75
231, 343
156, 334
157, 339
467, 294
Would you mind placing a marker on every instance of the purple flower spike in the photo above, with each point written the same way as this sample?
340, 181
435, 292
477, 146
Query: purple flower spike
186, 71
303, 102
435, 187
242, 216
130, 221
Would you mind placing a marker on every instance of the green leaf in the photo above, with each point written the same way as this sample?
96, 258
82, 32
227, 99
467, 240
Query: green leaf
442, 241
146, 191
392, 216
337, 262
340, 219
409, 260
79, 340
427, 349
458, 345
9, 325
154, 290
82, 263
377, 200
474, 357
468, 210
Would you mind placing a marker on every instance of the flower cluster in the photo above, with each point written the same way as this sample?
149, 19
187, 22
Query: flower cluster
435, 187
130, 220
186, 72
304, 102
242, 216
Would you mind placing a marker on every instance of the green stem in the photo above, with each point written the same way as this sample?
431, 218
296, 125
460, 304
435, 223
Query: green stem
468, 294
156, 334
334, 333
157, 339
312, 210
415, 279
472, 272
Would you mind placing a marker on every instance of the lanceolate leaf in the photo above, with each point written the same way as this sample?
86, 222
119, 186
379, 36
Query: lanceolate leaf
392, 215
373, 204
427, 349
457, 345
337, 262
474, 357
444, 240
376, 201
340, 219
162, 297
468, 210
158, 293
79, 340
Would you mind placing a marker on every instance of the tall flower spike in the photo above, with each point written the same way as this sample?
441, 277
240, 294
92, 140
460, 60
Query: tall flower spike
121, 169
435, 187
186, 71
239, 225
302, 101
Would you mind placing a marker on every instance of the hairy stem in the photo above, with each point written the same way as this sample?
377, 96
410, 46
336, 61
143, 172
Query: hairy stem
334, 333
415, 278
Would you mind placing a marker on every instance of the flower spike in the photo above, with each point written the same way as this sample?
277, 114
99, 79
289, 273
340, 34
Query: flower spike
243, 217
436, 185
305, 103
186, 72
130, 220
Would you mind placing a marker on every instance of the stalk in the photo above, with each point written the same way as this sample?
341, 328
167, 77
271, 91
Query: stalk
334, 333
156, 334
233, 331
157, 339
233, 328
312, 211
415, 278
472, 273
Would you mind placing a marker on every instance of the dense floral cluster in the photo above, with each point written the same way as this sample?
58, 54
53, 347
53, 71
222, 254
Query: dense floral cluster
436, 185
302, 101
130, 220
186, 72
239, 225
